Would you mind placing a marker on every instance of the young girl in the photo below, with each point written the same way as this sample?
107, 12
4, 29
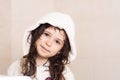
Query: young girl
48, 49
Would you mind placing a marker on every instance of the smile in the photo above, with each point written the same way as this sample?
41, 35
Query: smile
45, 49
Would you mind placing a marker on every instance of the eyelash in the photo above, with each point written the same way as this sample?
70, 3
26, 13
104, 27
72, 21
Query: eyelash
46, 34
57, 42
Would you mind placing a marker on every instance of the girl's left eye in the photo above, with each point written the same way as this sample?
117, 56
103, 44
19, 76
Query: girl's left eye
58, 42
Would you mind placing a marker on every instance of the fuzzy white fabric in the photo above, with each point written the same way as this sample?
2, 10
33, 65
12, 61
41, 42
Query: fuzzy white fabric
59, 20
41, 74
14, 78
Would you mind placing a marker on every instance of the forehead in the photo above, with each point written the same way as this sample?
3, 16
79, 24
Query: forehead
56, 32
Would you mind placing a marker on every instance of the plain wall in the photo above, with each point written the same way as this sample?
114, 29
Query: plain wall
97, 33
5, 37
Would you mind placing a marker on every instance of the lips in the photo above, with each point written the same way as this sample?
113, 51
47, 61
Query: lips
45, 49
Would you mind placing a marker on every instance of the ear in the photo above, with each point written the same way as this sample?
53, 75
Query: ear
58, 52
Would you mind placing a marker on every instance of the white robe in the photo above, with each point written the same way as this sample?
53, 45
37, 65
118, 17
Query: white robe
41, 74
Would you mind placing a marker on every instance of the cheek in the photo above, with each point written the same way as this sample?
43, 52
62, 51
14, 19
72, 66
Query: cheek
37, 42
43, 39
56, 49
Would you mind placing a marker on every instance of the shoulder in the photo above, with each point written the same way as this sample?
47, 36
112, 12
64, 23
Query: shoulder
68, 74
14, 68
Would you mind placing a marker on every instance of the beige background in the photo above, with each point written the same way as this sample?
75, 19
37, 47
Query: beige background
97, 33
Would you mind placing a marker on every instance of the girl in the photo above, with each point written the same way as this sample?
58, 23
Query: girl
48, 49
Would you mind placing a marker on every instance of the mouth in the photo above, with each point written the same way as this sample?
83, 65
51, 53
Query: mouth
45, 49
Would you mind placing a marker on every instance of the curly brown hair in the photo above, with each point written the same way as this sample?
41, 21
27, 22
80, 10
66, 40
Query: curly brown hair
57, 62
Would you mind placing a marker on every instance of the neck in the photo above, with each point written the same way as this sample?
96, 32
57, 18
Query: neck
40, 61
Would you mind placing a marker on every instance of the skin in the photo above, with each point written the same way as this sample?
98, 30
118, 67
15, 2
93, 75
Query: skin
49, 44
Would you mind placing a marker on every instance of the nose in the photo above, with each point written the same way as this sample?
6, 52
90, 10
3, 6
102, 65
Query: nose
49, 42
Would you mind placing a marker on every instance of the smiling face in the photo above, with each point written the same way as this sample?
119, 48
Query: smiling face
50, 42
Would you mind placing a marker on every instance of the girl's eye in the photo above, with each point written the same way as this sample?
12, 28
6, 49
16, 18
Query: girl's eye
58, 42
46, 34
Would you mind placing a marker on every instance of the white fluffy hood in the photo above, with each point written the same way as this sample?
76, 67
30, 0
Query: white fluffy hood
60, 20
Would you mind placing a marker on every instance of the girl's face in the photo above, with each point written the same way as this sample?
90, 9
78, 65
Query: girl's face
50, 42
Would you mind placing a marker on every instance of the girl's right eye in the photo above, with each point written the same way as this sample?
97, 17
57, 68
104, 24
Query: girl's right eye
46, 34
